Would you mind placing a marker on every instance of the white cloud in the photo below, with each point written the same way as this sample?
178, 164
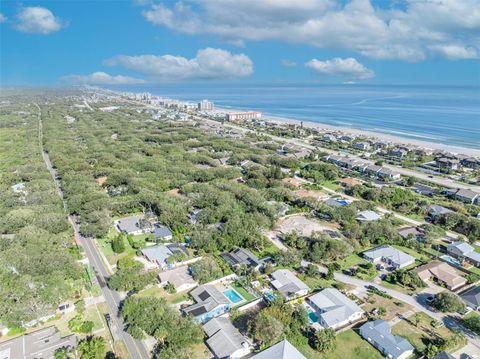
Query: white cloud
3, 18
38, 20
102, 78
208, 64
288, 63
348, 67
411, 31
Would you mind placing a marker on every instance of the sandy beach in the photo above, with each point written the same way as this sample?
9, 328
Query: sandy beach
366, 133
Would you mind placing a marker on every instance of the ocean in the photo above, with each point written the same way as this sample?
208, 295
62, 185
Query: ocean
447, 115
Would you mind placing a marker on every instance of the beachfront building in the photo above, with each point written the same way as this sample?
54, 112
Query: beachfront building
232, 116
205, 105
390, 256
378, 333
333, 309
224, 340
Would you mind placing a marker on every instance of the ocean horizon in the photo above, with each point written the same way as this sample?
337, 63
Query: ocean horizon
448, 115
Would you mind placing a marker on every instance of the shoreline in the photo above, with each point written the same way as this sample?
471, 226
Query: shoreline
398, 140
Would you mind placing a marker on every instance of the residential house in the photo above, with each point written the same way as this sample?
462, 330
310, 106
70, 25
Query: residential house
288, 284
160, 254
224, 340
135, 225
388, 174
443, 355
390, 256
363, 146
162, 232
470, 162
333, 309
412, 233
467, 196
464, 252
441, 272
424, 189
209, 303
471, 297
179, 277
398, 152
372, 170
41, 343
436, 210
447, 163
281, 350
242, 256
329, 138
367, 216
378, 333
346, 138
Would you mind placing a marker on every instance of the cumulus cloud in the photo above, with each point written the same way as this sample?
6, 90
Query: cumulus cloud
3, 18
102, 78
349, 68
208, 64
38, 20
411, 31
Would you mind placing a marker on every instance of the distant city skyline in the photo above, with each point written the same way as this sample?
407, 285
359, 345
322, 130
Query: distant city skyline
422, 42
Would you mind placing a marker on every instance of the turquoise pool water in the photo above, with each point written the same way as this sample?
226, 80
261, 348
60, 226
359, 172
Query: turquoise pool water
451, 260
233, 296
312, 317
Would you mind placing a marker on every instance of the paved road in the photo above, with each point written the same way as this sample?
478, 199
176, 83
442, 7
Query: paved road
136, 348
441, 181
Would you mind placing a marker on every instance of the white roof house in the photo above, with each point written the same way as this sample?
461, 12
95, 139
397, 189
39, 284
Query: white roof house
463, 250
281, 350
367, 216
224, 340
378, 334
288, 284
333, 309
389, 255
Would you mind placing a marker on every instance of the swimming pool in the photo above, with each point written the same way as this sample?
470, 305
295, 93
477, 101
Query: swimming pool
451, 260
312, 317
233, 296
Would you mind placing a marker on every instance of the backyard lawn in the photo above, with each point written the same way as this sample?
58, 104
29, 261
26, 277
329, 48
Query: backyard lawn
158, 292
243, 292
419, 335
351, 345
392, 307
351, 260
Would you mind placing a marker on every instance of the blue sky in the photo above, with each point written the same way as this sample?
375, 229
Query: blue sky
325, 41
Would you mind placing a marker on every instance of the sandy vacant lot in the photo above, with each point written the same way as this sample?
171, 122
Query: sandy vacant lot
302, 225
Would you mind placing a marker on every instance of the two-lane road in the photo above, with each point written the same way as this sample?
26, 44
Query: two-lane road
136, 348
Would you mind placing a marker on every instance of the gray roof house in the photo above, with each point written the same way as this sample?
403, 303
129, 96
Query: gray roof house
209, 303
333, 309
240, 256
471, 297
159, 254
224, 340
386, 173
467, 196
389, 255
436, 210
367, 216
288, 284
378, 334
464, 251
162, 232
443, 355
39, 344
281, 350
135, 225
